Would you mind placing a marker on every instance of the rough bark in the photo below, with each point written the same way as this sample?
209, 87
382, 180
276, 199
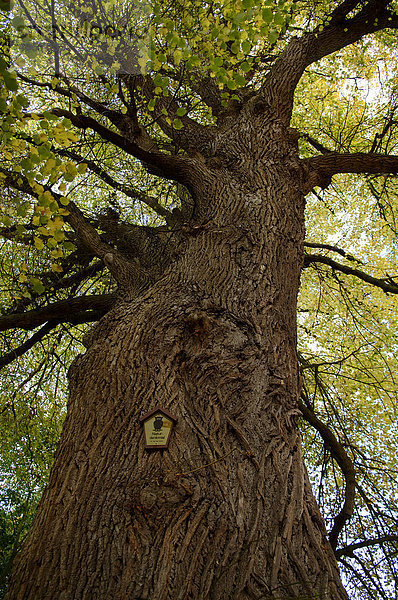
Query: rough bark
227, 511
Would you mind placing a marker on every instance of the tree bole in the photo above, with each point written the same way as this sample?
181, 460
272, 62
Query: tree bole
227, 511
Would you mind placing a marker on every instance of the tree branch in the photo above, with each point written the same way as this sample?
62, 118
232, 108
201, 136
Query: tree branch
99, 107
192, 135
64, 311
6, 359
279, 87
387, 285
167, 165
315, 144
342, 32
333, 249
350, 549
78, 318
343, 10
346, 465
320, 169
123, 270
134, 193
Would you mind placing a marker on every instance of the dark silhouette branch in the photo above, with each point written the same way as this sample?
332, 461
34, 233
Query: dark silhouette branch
78, 318
346, 465
63, 311
131, 192
71, 91
134, 193
70, 282
387, 285
75, 279
6, 359
390, 122
363, 580
191, 130
350, 549
333, 249
315, 144
339, 13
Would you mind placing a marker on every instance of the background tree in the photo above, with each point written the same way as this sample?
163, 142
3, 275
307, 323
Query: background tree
170, 198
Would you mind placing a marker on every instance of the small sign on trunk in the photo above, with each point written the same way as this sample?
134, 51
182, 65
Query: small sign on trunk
158, 424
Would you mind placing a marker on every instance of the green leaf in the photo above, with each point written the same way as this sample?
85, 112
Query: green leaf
39, 244
272, 36
6, 221
177, 124
17, 22
10, 80
240, 80
246, 46
37, 285
267, 15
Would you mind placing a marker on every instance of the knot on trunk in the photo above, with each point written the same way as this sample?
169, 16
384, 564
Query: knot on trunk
198, 325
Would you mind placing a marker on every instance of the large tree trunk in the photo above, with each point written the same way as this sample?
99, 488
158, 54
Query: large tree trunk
227, 511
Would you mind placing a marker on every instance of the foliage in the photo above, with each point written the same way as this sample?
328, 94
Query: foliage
74, 180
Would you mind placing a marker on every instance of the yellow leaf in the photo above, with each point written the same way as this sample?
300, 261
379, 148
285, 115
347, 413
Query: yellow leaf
39, 189
39, 244
56, 268
50, 164
57, 253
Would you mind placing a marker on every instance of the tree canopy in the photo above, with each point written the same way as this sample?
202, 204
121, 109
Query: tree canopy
107, 110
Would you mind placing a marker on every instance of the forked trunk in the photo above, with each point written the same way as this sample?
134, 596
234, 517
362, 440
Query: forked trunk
227, 511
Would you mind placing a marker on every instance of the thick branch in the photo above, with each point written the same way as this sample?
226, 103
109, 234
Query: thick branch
86, 233
346, 465
79, 276
127, 124
343, 31
131, 192
64, 311
78, 318
209, 91
343, 10
99, 107
280, 85
72, 282
192, 135
123, 270
315, 144
387, 285
322, 168
171, 167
